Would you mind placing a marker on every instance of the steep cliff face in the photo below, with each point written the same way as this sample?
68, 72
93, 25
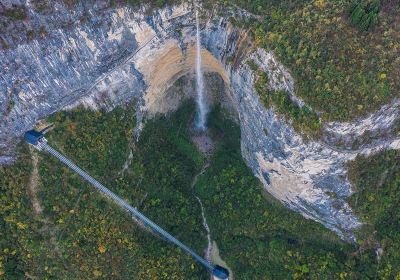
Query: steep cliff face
120, 54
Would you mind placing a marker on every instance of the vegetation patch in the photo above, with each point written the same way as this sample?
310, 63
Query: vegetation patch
15, 13
304, 120
257, 236
17, 226
86, 236
364, 14
339, 70
376, 201
82, 235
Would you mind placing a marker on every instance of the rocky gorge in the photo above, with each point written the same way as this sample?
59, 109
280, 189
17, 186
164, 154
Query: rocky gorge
116, 55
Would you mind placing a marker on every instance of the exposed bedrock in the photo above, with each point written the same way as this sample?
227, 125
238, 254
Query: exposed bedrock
119, 55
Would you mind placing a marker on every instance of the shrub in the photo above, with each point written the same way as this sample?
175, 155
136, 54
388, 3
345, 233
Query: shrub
364, 14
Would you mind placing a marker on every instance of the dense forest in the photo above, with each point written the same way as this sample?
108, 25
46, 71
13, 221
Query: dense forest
81, 235
344, 55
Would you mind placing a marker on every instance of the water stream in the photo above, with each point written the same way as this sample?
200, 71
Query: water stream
211, 252
205, 145
205, 225
207, 228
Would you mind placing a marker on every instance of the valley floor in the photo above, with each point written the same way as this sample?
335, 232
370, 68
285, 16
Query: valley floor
78, 234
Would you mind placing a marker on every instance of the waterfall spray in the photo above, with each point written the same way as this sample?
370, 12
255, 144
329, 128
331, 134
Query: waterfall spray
201, 102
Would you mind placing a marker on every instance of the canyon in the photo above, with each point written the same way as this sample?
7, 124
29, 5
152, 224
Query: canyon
120, 54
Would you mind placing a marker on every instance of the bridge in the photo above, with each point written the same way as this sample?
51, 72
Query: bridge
37, 139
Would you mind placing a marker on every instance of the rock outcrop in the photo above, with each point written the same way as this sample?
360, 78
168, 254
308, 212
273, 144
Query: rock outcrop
117, 55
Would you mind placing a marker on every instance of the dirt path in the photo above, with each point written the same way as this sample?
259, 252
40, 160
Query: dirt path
205, 144
48, 230
33, 183
127, 163
203, 215
216, 259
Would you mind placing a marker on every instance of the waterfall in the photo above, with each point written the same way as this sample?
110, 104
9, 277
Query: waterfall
201, 101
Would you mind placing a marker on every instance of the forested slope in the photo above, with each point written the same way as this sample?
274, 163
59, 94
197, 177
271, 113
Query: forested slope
344, 55
81, 235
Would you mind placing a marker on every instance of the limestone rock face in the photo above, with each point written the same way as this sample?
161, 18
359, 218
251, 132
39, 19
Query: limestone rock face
117, 55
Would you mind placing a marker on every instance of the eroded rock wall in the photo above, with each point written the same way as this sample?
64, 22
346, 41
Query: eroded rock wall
121, 54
